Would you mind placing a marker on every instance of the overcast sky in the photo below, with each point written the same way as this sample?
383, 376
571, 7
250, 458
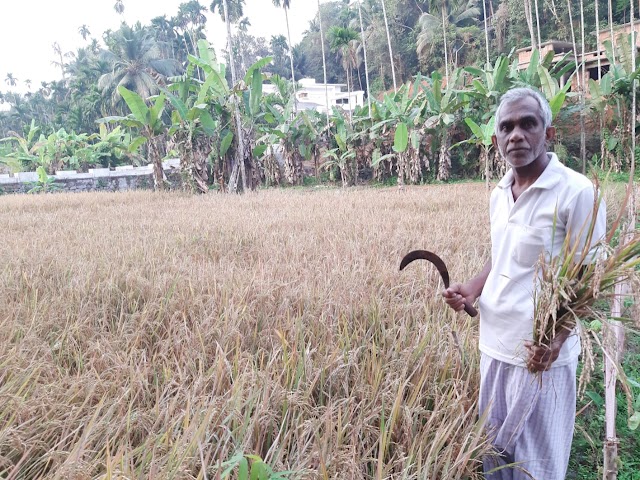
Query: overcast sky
30, 27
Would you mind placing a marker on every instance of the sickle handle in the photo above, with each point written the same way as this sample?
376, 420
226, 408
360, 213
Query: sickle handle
442, 268
471, 311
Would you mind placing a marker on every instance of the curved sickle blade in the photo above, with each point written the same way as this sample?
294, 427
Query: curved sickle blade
431, 257
442, 268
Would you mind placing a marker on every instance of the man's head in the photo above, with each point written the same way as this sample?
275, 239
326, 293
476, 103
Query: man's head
523, 126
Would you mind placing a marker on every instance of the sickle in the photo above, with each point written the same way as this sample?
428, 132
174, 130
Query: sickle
442, 268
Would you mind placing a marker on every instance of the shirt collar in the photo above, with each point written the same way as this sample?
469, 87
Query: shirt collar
547, 179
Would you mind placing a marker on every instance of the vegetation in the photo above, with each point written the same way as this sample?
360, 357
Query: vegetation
441, 96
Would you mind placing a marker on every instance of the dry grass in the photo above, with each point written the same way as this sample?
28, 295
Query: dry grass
155, 335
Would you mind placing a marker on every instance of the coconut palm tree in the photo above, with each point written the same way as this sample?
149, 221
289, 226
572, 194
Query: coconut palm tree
165, 34
11, 80
94, 46
60, 64
234, 7
135, 60
191, 19
344, 40
443, 13
84, 32
285, 6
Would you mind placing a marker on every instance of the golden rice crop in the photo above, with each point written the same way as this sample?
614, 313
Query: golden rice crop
147, 335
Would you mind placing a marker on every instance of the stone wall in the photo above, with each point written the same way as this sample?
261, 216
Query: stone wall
96, 179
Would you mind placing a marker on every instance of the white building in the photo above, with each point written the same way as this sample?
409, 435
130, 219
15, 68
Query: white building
312, 96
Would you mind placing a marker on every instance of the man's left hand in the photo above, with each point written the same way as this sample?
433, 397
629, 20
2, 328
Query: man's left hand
541, 357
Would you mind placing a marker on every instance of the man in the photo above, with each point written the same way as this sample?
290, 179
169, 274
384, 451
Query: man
539, 202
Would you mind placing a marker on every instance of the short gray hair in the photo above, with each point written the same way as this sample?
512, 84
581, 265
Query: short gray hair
523, 92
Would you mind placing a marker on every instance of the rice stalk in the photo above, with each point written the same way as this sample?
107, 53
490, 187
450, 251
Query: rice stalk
578, 283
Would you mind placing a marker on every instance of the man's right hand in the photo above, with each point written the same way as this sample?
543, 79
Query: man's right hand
456, 295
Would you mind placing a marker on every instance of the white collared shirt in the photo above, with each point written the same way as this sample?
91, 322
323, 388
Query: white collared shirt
520, 232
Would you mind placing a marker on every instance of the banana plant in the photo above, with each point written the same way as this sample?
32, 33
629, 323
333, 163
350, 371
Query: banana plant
44, 184
488, 85
26, 156
481, 137
114, 147
272, 129
148, 122
400, 116
343, 155
279, 126
193, 126
443, 107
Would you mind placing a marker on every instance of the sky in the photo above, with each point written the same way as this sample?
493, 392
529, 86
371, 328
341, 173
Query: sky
30, 27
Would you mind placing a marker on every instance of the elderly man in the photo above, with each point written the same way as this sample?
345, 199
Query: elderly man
539, 202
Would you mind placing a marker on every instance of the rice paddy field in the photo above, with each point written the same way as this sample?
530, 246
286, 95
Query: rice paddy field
147, 335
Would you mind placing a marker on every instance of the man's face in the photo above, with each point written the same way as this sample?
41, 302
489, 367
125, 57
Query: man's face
521, 136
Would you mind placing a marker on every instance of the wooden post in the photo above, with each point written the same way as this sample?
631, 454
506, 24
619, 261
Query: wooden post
614, 336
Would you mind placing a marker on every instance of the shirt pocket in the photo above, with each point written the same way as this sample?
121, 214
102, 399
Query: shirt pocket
531, 242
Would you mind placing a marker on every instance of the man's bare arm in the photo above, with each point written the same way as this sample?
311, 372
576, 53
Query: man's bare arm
457, 293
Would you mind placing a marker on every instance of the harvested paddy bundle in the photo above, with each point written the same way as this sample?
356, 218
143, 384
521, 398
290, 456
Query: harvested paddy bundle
578, 282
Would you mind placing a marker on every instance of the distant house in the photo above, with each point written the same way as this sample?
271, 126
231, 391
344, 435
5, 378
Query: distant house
591, 59
312, 96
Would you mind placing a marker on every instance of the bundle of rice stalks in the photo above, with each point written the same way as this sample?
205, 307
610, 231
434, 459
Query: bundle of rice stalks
576, 283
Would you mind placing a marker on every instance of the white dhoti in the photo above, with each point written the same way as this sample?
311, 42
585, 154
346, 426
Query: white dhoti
530, 419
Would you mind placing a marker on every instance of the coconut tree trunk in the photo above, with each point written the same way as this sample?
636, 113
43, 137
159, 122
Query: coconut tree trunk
613, 43
324, 70
293, 74
366, 65
486, 31
346, 71
575, 46
600, 117
538, 25
386, 26
529, 17
239, 162
444, 39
